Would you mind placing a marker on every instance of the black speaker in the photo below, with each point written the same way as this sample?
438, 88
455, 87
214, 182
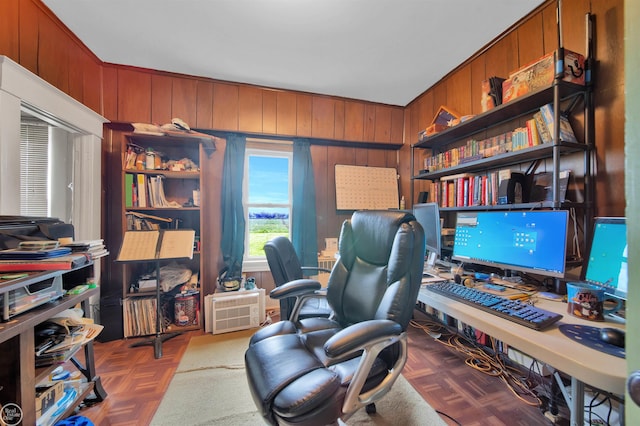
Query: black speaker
513, 190
423, 197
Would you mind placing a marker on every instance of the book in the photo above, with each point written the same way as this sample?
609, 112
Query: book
543, 130
141, 186
51, 264
128, 190
566, 131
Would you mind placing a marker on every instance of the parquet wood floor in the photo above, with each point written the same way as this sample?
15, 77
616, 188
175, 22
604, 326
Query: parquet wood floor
135, 382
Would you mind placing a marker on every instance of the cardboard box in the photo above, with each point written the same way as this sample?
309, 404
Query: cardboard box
47, 395
541, 74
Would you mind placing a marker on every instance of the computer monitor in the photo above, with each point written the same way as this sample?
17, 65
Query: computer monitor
526, 241
428, 215
607, 262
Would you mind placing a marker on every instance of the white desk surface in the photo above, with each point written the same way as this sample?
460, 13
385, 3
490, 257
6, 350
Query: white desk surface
550, 346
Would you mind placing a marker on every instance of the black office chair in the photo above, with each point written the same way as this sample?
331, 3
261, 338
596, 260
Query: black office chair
318, 370
285, 267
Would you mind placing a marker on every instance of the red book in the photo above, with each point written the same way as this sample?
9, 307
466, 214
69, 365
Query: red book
52, 264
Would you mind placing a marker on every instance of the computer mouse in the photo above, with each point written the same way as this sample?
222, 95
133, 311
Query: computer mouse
613, 336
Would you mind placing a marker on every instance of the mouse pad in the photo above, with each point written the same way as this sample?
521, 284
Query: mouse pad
590, 336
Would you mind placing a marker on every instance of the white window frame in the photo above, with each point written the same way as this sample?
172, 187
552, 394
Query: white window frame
263, 149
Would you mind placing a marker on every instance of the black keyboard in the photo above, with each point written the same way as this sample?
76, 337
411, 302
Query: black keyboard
513, 310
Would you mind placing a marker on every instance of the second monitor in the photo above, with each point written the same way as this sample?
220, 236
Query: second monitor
428, 215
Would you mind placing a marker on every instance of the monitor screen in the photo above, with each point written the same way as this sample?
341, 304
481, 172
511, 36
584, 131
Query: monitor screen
607, 261
428, 215
526, 241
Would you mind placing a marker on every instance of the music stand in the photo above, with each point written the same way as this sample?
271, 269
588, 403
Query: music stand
156, 246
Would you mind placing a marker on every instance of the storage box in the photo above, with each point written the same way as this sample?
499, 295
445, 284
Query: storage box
541, 74
444, 118
47, 395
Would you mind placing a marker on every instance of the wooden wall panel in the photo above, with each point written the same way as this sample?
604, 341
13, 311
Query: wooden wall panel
369, 122
397, 126
250, 109
477, 76
353, 121
183, 99
29, 30
10, 30
76, 64
323, 117
286, 113
530, 40
134, 96
502, 58
204, 105
459, 91
269, 111
110, 92
53, 57
339, 117
92, 83
304, 114
382, 124
225, 106
161, 89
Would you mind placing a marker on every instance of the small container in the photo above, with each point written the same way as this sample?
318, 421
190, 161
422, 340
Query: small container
150, 159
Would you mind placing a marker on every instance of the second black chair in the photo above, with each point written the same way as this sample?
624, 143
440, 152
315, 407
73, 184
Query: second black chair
285, 267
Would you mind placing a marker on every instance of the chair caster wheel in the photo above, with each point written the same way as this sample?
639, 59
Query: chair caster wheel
371, 408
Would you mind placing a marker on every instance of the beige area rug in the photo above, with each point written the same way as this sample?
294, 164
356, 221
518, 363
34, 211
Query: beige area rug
210, 388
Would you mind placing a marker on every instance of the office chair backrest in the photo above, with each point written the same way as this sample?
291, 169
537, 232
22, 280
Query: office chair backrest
283, 261
383, 275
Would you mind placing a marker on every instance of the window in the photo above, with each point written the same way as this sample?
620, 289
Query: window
267, 197
34, 173
46, 169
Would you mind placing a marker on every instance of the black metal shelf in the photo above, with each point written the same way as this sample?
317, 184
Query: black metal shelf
504, 160
518, 107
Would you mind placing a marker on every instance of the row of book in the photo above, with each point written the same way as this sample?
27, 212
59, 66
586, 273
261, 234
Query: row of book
140, 315
483, 189
537, 130
143, 190
465, 190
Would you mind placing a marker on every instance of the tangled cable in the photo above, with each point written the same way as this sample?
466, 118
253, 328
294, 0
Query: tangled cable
479, 359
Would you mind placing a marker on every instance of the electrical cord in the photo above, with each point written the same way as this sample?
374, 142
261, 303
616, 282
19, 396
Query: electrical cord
480, 360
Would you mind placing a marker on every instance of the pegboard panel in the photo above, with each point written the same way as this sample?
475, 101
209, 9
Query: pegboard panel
366, 188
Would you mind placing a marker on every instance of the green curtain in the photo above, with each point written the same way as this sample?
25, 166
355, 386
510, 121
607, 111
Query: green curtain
303, 223
233, 223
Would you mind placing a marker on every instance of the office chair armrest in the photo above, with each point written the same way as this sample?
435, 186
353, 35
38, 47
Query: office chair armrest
295, 288
314, 268
360, 335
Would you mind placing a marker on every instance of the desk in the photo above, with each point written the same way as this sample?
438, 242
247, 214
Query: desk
583, 364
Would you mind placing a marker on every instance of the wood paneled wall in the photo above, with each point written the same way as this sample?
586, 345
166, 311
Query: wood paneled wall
528, 40
32, 36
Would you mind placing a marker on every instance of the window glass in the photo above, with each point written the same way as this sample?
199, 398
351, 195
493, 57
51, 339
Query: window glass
267, 197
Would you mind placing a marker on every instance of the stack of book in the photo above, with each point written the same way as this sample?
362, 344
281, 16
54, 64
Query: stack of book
59, 258
95, 249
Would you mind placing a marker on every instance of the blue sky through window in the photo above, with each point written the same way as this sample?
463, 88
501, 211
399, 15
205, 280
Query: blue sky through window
268, 180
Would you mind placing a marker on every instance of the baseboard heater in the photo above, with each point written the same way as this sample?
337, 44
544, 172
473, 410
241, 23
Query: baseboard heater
233, 311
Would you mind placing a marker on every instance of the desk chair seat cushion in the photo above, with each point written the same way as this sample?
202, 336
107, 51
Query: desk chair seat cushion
306, 381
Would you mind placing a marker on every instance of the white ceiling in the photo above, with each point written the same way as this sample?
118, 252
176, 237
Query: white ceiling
387, 51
